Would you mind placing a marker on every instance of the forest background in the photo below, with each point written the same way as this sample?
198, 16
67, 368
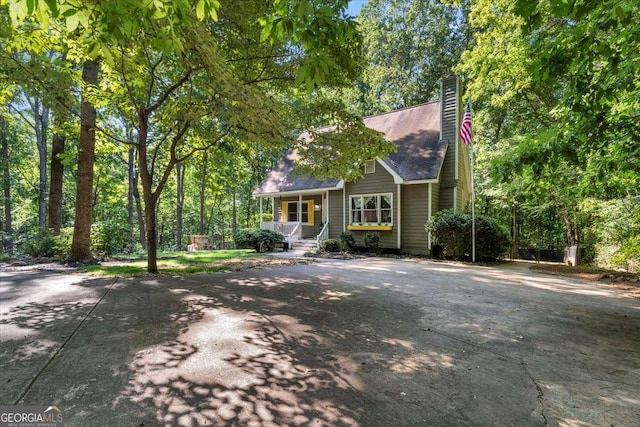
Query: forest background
128, 126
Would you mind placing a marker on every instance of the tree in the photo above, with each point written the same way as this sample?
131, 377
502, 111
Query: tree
554, 111
6, 184
179, 73
81, 244
410, 45
56, 182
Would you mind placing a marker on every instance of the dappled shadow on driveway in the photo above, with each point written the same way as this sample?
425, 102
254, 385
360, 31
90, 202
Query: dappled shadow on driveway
368, 343
577, 340
38, 313
286, 348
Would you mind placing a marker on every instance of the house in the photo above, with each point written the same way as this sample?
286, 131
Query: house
429, 172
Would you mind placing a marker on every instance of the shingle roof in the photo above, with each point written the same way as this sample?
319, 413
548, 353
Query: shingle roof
416, 133
280, 179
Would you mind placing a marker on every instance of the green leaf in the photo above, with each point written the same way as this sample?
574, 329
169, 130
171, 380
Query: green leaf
200, 10
72, 22
53, 7
83, 17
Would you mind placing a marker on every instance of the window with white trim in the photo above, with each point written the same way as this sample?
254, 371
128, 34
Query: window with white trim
371, 209
291, 211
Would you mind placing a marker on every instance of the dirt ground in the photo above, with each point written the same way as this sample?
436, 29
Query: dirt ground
362, 342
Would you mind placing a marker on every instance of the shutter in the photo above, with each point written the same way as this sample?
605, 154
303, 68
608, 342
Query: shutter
283, 212
310, 206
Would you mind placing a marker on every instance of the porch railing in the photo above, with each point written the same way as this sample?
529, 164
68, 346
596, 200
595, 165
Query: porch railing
292, 231
324, 235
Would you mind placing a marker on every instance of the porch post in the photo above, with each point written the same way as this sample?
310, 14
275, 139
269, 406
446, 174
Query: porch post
260, 211
300, 207
326, 214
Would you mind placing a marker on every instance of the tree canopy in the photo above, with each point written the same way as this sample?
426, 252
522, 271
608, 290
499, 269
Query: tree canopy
195, 100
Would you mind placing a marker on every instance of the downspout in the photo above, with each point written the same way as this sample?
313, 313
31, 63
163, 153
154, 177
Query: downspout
429, 209
344, 208
399, 218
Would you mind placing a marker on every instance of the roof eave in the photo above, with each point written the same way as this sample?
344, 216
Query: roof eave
397, 179
338, 186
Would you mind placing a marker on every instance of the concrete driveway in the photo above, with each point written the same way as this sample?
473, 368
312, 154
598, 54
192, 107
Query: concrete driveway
372, 342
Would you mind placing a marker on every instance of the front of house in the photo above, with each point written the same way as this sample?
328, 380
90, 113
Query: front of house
429, 172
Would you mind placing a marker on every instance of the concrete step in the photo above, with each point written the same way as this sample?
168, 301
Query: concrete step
305, 243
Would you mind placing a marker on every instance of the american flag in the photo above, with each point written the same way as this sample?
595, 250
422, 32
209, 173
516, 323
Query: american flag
466, 132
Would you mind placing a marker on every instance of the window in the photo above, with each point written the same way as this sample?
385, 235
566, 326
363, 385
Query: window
371, 209
370, 166
290, 212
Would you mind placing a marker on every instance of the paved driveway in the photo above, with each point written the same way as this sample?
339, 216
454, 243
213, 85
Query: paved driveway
373, 342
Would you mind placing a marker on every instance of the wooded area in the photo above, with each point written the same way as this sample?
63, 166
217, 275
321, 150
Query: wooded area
129, 126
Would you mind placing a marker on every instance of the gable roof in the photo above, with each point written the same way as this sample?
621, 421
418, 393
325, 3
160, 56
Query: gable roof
281, 180
415, 131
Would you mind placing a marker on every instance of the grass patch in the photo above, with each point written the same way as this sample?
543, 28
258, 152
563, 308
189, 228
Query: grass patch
172, 263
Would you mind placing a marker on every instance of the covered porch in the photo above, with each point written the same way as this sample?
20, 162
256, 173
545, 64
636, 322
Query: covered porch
298, 216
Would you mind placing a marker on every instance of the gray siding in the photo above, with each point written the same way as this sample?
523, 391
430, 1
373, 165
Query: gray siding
461, 197
449, 131
336, 208
435, 198
379, 182
415, 214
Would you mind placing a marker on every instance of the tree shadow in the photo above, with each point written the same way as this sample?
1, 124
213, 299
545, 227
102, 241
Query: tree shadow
287, 350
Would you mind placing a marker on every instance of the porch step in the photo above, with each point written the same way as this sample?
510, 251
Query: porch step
304, 244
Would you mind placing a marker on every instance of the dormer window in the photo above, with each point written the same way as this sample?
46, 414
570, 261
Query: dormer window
370, 166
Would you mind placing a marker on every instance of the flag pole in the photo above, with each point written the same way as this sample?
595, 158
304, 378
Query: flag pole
466, 133
473, 203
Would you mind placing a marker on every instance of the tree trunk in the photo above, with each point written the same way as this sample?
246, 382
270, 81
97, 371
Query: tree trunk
55, 183
514, 245
81, 243
148, 196
572, 230
203, 184
234, 213
180, 170
41, 126
151, 233
6, 185
249, 205
139, 211
130, 197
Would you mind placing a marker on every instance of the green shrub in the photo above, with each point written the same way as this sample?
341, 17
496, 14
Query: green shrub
38, 242
348, 241
109, 237
492, 240
258, 239
628, 256
331, 245
452, 230
64, 240
372, 241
